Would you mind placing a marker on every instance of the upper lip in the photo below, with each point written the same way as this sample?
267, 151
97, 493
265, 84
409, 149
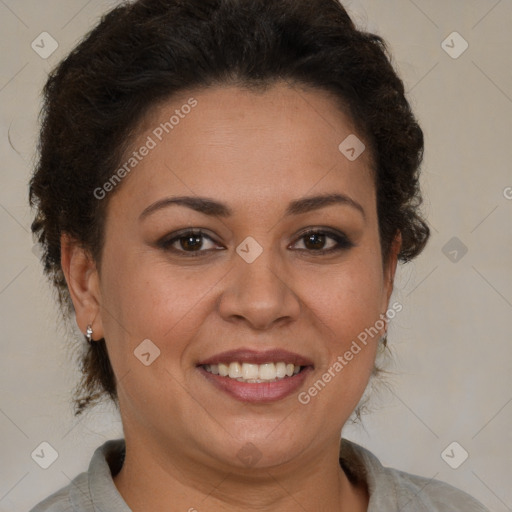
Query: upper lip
257, 357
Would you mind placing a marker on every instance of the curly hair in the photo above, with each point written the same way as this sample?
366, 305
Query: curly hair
142, 53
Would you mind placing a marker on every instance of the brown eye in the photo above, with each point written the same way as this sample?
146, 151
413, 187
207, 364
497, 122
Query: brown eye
321, 241
314, 241
193, 242
189, 243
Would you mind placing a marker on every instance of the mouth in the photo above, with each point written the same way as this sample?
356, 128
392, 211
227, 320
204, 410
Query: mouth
254, 373
252, 376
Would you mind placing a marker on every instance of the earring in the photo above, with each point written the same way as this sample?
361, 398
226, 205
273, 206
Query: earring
88, 334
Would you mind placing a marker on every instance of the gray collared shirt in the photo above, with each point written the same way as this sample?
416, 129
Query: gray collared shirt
390, 490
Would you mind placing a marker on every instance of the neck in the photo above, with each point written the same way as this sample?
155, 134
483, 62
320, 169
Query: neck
150, 480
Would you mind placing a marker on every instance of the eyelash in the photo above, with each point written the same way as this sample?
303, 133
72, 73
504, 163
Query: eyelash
342, 242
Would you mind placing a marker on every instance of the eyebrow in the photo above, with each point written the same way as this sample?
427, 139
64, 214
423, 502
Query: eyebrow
214, 208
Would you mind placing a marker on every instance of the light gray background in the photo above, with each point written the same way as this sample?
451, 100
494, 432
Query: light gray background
452, 341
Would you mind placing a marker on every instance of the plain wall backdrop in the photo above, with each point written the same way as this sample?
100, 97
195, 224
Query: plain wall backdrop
452, 379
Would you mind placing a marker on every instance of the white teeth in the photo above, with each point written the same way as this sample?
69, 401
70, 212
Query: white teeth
248, 372
268, 371
280, 370
235, 370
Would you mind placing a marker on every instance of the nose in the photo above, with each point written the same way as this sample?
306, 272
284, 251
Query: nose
259, 294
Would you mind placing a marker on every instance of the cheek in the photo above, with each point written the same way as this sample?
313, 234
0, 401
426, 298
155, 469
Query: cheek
348, 299
346, 308
148, 299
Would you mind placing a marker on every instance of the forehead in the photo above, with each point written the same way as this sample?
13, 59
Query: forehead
240, 145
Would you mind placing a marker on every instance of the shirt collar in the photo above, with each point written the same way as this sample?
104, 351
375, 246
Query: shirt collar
360, 465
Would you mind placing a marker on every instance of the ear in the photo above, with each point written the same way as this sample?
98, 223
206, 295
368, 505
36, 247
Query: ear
390, 268
83, 283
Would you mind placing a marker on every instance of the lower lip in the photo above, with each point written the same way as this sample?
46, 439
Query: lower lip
258, 392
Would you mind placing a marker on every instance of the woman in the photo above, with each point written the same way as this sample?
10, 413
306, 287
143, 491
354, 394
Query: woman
234, 319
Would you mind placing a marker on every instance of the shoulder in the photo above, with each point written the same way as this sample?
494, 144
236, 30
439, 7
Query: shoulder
92, 490
392, 489
432, 494
61, 501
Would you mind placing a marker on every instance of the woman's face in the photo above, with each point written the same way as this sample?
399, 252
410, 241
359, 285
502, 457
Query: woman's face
249, 285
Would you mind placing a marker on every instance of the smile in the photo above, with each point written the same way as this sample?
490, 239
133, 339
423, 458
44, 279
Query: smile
254, 373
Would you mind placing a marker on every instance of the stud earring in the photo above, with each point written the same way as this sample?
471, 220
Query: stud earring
88, 334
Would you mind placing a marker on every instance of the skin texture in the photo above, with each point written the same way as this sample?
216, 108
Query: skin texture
255, 152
